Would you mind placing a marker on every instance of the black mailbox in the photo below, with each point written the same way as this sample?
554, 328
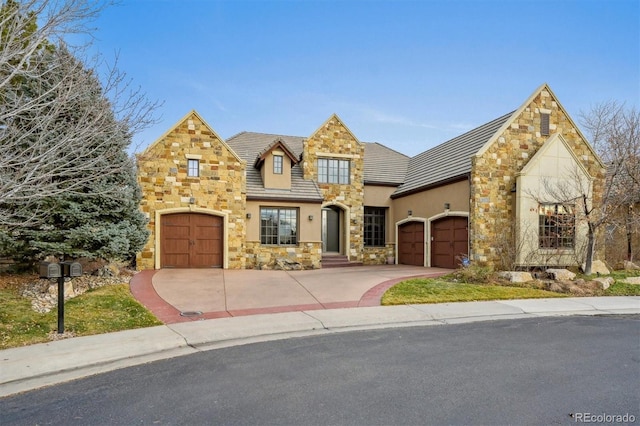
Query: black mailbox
71, 269
50, 270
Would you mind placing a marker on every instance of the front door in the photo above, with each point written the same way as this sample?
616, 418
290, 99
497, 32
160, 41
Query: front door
330, 230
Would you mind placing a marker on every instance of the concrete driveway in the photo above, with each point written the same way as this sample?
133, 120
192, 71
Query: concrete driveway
176, 295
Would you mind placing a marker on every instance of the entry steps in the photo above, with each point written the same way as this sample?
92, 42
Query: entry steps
337, 261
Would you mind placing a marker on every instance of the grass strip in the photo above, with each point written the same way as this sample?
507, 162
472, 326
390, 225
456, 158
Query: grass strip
421, 290
103, 310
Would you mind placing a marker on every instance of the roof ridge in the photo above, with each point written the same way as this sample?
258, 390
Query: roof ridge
464, 134
386, 147
271, 134
236, 135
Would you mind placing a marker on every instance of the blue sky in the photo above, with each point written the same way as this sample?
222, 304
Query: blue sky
408, 74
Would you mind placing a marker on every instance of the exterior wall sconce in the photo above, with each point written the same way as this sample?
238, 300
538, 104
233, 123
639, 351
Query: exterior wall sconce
447, 206
410, 213
310, 217
248, 215
192, 200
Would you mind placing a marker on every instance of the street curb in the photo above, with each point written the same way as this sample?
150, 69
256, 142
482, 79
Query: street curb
31, 367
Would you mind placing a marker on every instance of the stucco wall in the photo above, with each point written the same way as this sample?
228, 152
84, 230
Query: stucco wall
308, 251
432, 202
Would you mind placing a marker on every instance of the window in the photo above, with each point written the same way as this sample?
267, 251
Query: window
374, 229
277, 164
333, 171
193, 167
544, 124
557, 223
278, 226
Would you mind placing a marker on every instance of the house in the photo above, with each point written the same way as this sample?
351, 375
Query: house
258, 199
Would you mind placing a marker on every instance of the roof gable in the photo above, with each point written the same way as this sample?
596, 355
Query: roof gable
277, 144
520, 110
557, 148
191, 114
334, 116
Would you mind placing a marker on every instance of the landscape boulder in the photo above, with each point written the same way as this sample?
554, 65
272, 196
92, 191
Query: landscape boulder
630, 266
597, 267
516, 276
604, 282
561, 274
632, 280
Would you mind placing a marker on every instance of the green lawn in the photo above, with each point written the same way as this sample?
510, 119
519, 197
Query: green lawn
103, 310
473, 284
426, 290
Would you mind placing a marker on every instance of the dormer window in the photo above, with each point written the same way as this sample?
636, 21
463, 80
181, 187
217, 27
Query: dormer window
277, 164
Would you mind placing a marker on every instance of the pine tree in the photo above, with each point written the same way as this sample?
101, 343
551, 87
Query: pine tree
94, 212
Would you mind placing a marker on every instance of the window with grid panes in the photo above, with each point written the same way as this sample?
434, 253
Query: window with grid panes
277, 164
374, 226
557, 226
333, 171
278, 226
193, 168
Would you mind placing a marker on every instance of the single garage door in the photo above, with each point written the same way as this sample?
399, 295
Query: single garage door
449, 241
191, 240
411, 243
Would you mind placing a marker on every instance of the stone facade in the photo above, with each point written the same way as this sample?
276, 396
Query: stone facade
487, 194
219, 189
494, 172
379, 255
308, 255
334, 140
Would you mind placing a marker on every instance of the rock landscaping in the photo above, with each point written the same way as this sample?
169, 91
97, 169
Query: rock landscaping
562, 281
43, 293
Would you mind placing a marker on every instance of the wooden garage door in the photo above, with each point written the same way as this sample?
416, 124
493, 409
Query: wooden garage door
449, 241
411, 243
191, 240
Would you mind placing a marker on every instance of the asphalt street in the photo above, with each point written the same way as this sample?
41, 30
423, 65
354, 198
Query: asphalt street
549, 370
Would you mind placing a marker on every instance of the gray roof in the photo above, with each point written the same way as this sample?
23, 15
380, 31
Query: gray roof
383, 165
249, 145
449, 160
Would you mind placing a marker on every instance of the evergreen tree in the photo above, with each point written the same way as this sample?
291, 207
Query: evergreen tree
94, 212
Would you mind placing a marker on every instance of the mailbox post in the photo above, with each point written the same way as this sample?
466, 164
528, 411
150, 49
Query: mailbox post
60, 271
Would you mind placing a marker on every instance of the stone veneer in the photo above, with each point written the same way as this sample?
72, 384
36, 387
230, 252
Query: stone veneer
307, 254
494, 172
221, 186
378, 255
334, 140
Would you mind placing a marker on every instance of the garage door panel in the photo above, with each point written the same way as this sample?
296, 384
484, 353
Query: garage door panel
411, 243
177, 232
449, 243
191, 240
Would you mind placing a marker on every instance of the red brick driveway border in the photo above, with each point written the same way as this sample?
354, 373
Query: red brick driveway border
373, 296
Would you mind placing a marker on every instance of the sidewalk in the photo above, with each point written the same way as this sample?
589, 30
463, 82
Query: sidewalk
31, 367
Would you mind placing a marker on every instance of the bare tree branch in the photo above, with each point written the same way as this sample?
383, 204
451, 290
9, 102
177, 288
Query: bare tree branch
48, 145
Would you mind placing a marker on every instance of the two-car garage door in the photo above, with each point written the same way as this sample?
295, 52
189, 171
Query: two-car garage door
449, 242
191, 240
